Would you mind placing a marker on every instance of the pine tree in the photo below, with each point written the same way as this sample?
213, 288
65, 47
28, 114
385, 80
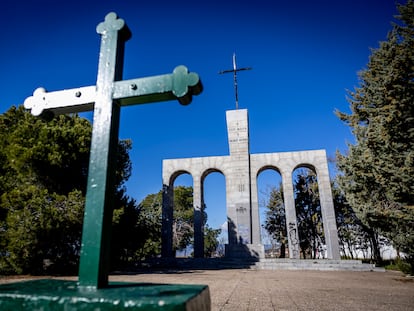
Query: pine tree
308, 213
378, 169
275, 223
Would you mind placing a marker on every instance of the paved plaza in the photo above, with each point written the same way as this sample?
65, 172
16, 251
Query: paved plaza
244, 289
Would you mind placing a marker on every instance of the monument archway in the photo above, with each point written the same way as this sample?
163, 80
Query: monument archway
199, 170
182, 227
241, 169
214, 197
309, 213
270, 191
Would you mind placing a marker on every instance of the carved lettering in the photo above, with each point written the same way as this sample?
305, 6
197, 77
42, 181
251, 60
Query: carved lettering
294, 243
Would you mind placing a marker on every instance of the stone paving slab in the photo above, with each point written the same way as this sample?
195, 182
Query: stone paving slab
244, 289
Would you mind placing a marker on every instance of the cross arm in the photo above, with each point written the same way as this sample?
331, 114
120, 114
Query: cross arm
60, 102
234, 70
179, 85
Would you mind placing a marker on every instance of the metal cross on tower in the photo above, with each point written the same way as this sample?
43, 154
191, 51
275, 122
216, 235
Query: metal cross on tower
234, 71
105, 99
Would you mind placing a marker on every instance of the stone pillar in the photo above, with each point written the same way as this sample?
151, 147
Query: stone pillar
198, 217
167, 221
238, 182
290, 212
256, 234
327, 210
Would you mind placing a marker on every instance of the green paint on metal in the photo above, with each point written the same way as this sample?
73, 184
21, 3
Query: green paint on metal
106, 98
50, 295
94, 261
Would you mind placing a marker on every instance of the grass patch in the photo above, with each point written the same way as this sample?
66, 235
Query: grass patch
399, 265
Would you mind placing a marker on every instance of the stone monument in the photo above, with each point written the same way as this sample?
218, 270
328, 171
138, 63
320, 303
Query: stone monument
93, 291
240, 170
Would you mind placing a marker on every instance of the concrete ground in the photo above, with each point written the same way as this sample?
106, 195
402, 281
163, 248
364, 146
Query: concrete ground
244, 289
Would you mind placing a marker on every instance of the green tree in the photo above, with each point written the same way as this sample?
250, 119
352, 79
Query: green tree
378, 169
211, 241
44, 167
353, 235
183, 224
275, 222
308, 213
148, 223
150, 219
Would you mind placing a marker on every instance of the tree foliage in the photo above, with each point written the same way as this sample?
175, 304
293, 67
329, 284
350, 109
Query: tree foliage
43, 174
183, 223
354, 236
150, 218
275, 222
378, 169
308, 215
211, 241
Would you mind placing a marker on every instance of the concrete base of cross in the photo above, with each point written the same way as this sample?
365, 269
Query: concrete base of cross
66, 295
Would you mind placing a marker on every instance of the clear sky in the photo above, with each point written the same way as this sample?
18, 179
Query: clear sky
304, 55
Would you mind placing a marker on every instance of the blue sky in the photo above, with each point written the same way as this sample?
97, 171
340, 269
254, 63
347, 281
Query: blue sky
304, 55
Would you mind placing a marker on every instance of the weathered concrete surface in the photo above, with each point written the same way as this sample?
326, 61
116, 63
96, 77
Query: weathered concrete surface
293, 290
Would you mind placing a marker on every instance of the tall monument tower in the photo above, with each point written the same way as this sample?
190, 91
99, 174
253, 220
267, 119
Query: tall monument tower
238, 184
242, 215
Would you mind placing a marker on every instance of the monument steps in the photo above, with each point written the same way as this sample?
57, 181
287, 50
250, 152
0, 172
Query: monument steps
258, 264
199, 263
314, 264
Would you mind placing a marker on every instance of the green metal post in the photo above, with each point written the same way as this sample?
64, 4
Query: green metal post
94, 261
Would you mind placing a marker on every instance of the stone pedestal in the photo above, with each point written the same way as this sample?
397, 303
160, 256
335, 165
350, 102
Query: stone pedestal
49, 295
245, 251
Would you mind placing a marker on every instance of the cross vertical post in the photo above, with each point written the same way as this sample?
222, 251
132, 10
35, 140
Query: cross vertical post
94, 260
234, 71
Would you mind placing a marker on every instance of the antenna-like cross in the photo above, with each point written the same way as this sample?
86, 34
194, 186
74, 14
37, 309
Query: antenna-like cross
234, 71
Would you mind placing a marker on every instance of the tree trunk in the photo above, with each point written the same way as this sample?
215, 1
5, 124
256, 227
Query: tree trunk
350, 249
375, 248
282, 250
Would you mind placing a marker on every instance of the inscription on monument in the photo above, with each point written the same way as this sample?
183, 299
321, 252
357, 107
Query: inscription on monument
293, 240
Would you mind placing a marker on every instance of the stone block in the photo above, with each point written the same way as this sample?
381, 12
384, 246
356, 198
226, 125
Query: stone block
48, 295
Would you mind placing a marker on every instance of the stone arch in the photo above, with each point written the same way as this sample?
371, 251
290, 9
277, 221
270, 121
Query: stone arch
210, 209
319, 165
177, 174
170, 174
305, 165
304, 219
167, 250
276, 181
268, 167
183, 184
204, 176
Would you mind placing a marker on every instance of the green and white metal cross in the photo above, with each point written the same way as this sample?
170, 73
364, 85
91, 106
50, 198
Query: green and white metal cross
106, 98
